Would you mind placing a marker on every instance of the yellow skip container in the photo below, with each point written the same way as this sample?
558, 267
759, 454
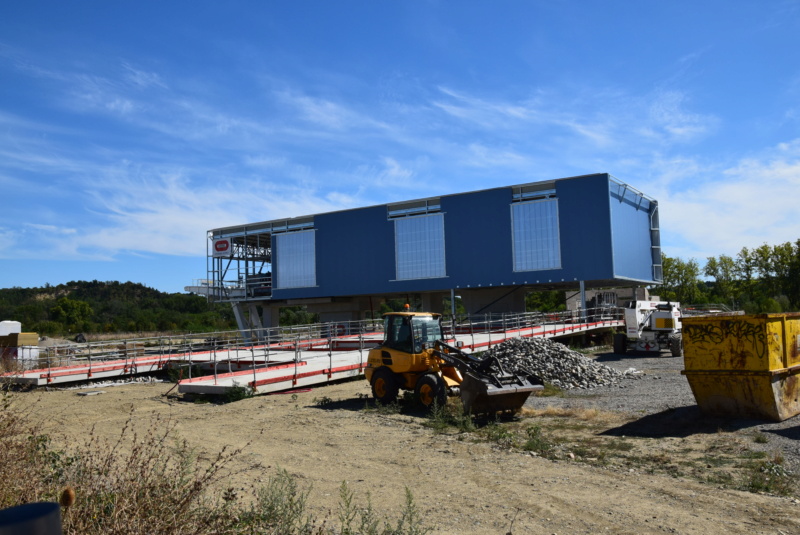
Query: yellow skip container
744, 366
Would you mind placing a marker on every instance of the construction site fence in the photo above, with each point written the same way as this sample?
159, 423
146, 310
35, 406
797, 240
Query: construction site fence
260, 344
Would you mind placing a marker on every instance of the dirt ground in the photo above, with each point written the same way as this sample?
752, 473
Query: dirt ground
594, 479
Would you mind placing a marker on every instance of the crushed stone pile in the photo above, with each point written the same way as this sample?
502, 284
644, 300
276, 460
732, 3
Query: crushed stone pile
556, 364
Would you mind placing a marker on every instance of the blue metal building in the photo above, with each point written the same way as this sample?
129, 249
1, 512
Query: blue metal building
490, 247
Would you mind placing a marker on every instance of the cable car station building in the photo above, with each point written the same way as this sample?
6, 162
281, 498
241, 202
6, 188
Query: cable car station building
490, 247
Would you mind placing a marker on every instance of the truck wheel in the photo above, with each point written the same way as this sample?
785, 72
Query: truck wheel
620, 343
384, 385
676, 345
430, 390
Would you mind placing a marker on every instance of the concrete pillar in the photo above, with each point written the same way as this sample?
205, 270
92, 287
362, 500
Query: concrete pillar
583, 301
270, 316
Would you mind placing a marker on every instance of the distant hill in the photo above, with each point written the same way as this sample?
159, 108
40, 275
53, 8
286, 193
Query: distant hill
110, 307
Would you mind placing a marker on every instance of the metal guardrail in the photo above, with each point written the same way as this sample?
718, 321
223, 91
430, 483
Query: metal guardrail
260, 344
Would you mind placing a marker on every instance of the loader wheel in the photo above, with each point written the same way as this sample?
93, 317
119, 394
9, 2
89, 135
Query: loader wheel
676, 345
430, 390
384, 385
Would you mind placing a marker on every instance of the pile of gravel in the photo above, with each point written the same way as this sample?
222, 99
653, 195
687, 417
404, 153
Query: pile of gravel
555, 363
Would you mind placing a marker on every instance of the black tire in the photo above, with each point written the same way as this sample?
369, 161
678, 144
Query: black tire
620, 344
676, 345
430, 390
385, 386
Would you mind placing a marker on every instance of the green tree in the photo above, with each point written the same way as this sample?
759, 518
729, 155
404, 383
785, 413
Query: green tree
546, 301
681, 280
392, 305
298, 315
793, 283
723, 270
72, 313
781, 256
768, 281
745, 269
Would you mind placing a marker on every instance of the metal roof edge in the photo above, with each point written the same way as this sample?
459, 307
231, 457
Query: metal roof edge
265, 222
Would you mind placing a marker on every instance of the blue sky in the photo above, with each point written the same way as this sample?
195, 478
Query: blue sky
128, 129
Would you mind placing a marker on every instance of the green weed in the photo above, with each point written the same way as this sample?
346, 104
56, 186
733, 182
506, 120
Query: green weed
450, 415
238, 392
770, 477
536, 442
323, 401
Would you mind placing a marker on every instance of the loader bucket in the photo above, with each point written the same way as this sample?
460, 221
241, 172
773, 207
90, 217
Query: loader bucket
492, 394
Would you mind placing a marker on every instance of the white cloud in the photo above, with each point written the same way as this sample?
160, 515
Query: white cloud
748, 203
479, 155
8, 240
51, 229
388, 174
264, 162
142, 79
669, 116
327, 113
609, 119
169, 213
120, 105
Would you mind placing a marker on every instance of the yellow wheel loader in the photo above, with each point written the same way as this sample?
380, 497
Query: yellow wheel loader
414, 356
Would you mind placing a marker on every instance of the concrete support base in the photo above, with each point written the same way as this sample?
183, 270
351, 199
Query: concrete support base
336, 311
489, 300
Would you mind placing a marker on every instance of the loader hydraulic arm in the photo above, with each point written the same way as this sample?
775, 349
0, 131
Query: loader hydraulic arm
488, 370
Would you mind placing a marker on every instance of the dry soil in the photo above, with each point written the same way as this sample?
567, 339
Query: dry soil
620, 460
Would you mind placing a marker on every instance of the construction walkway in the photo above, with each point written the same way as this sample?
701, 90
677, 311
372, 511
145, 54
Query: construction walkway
282, 358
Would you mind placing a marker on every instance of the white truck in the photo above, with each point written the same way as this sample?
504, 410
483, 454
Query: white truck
651, 327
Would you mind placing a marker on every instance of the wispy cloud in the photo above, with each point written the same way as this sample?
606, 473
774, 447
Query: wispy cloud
751, 201
165, 214
142, 79
607, 118
52, 229
670, 120
480, 155
387, 172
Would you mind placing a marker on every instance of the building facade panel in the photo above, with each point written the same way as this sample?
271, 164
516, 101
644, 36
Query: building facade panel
585, 228
634, 246
478, 229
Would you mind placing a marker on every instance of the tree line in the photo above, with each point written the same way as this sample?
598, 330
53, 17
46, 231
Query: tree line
111, 307
764, 279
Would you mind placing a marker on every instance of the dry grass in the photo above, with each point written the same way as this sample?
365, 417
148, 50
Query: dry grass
10, 366
148, 481
578, 413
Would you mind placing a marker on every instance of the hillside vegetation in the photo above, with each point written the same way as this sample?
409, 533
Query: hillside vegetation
110, 307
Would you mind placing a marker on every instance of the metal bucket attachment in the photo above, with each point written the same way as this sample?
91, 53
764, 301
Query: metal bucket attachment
490, 395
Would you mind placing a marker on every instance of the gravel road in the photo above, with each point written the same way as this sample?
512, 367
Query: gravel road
663, 399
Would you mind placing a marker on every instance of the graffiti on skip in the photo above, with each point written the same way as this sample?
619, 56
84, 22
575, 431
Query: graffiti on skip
739, 331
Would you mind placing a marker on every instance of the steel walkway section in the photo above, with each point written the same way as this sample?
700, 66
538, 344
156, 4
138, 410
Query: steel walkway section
304, 369
285, 359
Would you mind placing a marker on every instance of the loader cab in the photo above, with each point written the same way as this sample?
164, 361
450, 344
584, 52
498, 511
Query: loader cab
411, 332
